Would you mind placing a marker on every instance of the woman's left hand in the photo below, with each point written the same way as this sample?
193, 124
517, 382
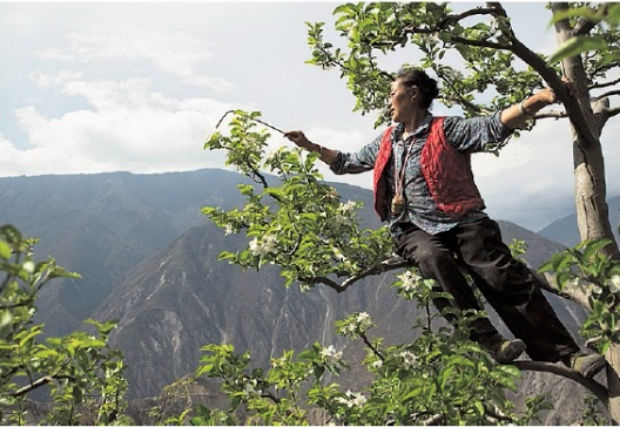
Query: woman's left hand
547, 95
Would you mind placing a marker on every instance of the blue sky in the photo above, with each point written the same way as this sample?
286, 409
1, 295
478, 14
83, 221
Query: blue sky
93, 87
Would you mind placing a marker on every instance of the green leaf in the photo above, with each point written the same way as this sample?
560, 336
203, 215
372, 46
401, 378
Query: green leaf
479, 406
576, 45
584, 11
5, 250
413, 393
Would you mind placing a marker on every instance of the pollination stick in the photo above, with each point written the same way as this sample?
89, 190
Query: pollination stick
251, 118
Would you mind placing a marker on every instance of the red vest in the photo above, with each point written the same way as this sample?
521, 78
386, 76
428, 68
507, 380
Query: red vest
446, 170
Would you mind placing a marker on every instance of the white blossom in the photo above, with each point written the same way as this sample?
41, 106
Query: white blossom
270, 242
613, 283
408, 359
409, 281
363, 319
254, 247
228, 230
358, 399
265, 246
347, 207
250, 386
377, 364
304, 287
330, 354
350, 328
595, 289
338, 254
28, 266
352, 399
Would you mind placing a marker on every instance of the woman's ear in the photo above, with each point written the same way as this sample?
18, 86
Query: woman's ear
414, 92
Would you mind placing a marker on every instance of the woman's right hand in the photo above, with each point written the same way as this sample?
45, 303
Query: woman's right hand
298, 138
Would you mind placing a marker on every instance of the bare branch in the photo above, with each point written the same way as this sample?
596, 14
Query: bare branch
471, 12
556, 368
554, 114
613, 112
496, 413
433, 420
393, 263
372, 347
606, 84
324, 280
481, 43
38, 383
387, 265
601, 69
548, 282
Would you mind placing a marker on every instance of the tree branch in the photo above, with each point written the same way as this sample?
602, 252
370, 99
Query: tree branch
600, 69
573, 108
38, 383
547, 282
481, 43
554, 114
471, 12
606, 84
387, 265
372, 347
613, 112
583, 26
393, 263
610, 93
322, 280
555, 368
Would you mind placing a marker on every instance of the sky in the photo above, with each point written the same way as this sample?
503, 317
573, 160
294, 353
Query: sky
99, 87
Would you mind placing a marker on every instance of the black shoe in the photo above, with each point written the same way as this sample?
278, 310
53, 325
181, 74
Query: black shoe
586, 364
505, 351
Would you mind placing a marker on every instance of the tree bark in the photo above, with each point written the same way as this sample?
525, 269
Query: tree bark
588, 163
590, 188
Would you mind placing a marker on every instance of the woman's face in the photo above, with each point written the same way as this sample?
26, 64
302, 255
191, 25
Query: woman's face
401, 104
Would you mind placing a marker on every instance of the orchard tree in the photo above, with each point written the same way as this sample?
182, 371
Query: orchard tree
588, 54
589, 51
315, 239
302, 226
83, 375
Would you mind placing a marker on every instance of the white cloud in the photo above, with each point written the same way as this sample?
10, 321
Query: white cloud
175, 53
129, 127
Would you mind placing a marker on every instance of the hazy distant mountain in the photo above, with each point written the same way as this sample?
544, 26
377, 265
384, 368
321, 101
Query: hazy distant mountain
103, 225
565, 231
149, 258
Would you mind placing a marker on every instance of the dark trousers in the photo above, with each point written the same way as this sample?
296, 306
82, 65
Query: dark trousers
507, 284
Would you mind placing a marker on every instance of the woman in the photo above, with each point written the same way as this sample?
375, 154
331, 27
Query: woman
425, 188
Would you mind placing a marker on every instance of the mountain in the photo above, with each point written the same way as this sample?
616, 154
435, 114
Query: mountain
565, 231
149, 259
182, 298
103, 225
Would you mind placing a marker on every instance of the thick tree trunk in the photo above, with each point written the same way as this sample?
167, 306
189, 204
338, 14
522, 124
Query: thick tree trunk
590, 189
588, 163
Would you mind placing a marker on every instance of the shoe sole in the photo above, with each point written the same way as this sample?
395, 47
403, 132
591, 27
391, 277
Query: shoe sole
594, 368
514, 350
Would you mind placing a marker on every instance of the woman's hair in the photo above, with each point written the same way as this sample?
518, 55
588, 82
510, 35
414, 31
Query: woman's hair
417, 77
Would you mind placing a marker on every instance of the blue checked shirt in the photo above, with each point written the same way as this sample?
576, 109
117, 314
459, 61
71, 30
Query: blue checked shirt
467, 135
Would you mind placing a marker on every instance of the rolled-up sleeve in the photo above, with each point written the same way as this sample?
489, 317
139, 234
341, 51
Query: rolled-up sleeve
475, 133
360, 161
